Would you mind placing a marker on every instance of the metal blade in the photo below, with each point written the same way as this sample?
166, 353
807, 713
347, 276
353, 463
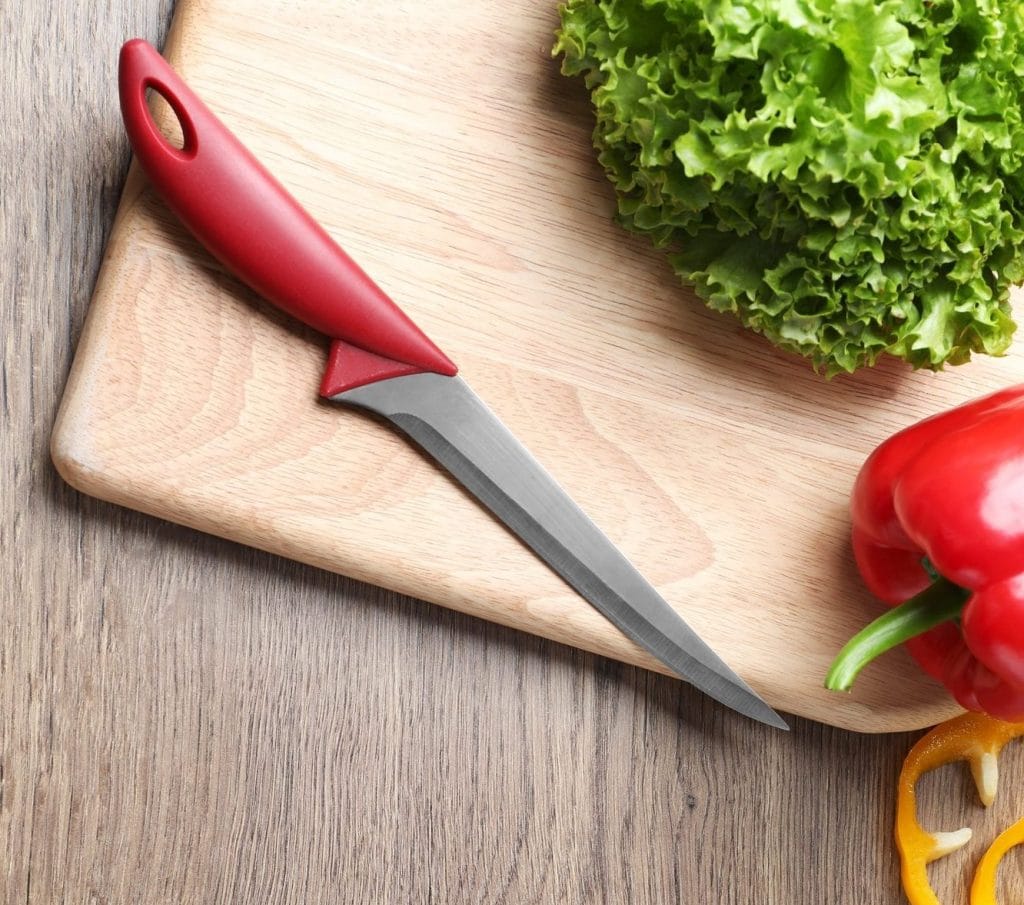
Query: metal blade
445, 417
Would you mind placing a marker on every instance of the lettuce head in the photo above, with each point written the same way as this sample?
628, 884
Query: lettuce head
844, 176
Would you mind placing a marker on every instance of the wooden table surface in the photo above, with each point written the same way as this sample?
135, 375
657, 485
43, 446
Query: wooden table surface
187, 720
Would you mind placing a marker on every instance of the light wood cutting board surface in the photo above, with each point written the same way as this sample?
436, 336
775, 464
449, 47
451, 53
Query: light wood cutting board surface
440, 146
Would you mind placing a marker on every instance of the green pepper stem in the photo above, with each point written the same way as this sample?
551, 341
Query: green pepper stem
939, 602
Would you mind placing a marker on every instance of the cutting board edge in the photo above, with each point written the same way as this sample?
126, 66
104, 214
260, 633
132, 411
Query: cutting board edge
143, 494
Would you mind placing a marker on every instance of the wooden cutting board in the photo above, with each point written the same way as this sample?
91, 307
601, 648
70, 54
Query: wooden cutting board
442, 148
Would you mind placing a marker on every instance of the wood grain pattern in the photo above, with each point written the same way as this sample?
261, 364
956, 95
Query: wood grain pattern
185, 720
454, 162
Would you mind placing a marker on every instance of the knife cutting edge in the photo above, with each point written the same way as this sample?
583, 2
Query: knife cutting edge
382, 362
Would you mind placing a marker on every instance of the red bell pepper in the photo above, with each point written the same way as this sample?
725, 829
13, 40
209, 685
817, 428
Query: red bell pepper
938, 532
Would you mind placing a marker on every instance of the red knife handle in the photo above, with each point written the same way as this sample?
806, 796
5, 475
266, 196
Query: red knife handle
249, 222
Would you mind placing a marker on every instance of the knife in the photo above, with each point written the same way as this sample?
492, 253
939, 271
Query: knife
380, 361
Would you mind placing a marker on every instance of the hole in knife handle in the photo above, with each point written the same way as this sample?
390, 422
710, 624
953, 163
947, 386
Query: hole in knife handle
165, 118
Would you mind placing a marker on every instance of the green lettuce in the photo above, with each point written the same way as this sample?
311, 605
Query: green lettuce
845, 176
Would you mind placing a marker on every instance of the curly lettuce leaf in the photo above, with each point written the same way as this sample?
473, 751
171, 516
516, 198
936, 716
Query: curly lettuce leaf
844, 176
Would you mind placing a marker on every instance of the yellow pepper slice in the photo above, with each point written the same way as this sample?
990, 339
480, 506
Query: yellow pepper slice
983, 887
973, 737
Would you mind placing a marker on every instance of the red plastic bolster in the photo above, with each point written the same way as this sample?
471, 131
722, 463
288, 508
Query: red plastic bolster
349, 367
249, 222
